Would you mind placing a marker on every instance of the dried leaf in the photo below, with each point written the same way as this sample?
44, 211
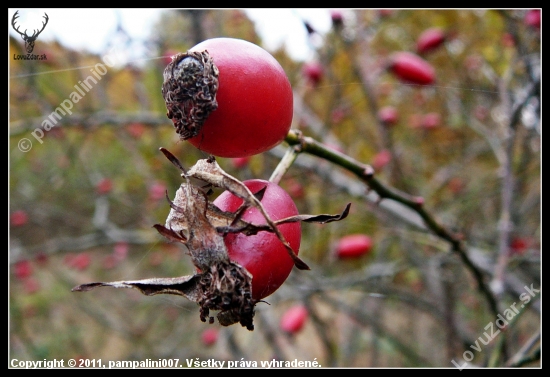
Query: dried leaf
226, 287
208, 171
194, 221
186, 286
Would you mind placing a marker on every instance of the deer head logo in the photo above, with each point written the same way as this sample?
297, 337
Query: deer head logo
29, 39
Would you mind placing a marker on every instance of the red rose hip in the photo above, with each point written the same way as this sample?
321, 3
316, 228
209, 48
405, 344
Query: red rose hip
388, 115
313, 71
430, 39
411, 68
532, 18
228, 97
353, 246
293, 319
263, 254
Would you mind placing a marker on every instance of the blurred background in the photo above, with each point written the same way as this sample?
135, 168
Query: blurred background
86, 189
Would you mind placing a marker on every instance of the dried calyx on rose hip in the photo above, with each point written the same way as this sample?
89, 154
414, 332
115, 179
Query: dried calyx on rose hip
189, 91
220, 283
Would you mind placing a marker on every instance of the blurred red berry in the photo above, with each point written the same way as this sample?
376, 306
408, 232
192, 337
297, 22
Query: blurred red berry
209, 336
22, 269
337, 115
240, 162
411, 68
157, 191
419, 200
79, 261
532, 18
381, 159
135, 129
313, 71
481, 112
19, 218
41, 258
431, 120
519, 245
430, 39
294, 188
388, 115
120, 251
293, 319
456, 185
508, 40
104, 186
337, 18
31, 285
353, 246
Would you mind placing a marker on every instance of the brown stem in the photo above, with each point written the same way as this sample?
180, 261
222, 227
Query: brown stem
366, 174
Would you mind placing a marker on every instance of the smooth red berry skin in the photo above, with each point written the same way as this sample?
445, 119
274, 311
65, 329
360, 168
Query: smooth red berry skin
255, 100
263, 254
430, 39
411, 68
293, 319
353, 246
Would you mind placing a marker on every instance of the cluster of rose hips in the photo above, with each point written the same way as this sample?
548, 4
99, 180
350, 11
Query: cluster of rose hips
250, 111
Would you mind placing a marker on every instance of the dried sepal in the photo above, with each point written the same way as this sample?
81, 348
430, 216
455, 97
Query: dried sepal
189, 91
208, 171
219, 284
186, 286
226, 287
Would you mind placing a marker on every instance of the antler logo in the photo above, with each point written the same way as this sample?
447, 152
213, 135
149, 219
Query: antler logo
29, 39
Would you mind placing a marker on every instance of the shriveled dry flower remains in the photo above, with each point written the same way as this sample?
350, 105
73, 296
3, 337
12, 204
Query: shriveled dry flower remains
220, 284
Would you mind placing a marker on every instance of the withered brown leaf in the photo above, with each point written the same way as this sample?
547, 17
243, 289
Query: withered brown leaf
220, 283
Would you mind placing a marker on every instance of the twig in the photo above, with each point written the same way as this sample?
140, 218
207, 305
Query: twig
521, 357
366, 319
366, 174
285, 163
